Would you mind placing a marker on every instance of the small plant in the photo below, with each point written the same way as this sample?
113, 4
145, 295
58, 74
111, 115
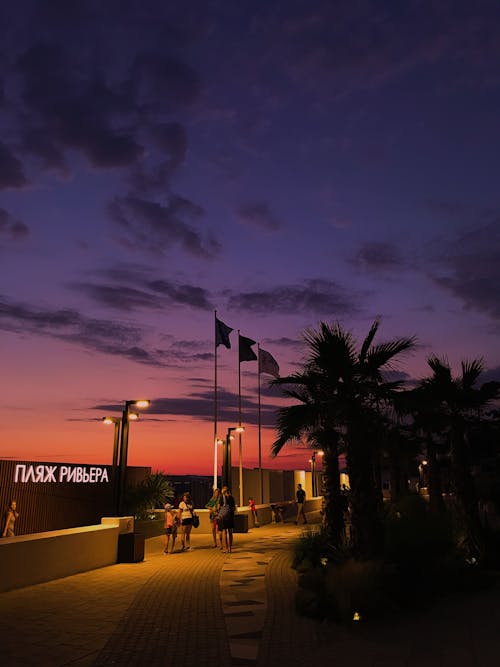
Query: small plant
153, 492
310, 549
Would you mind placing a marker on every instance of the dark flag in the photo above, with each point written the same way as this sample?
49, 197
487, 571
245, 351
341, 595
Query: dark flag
245, 349
222, 332
268, 364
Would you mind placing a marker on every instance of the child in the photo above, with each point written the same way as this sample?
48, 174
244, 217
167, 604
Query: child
253, 509
170, 527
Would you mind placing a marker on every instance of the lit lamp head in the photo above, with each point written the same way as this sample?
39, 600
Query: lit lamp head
133, 416
238, 429
138, 403
142, 403
110, 420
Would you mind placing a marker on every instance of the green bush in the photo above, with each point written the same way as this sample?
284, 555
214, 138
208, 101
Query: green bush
423, 560
416, 537
153, 492
310, 549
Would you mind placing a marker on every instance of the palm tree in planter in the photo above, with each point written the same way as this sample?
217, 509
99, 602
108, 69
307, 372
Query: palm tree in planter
345, 396
462, 401
151, 493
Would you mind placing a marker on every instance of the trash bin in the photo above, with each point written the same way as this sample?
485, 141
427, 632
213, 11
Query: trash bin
130, 547
241, 523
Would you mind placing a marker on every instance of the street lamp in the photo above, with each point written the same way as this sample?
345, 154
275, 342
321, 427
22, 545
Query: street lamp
126, 418
312, 461
217, 442
226, 455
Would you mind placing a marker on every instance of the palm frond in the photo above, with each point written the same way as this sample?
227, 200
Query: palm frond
471, 370
368, 340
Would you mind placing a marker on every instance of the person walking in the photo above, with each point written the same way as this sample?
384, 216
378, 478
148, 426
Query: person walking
301, 499
213, 507
185, 515
171, 523
226, 519
10, 520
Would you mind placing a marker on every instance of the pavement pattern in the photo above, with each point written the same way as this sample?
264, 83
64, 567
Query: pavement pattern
211, 609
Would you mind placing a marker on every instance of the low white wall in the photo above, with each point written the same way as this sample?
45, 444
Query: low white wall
264, 513
32, 559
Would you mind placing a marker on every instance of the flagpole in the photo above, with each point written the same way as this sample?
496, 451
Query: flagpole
239, 423
215, 403
261, 484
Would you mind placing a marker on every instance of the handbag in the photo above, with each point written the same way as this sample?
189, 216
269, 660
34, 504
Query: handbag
196, 520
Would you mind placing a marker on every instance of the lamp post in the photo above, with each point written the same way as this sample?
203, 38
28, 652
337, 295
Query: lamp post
217, 442
126, 417
116, 421
116, 440
226, 455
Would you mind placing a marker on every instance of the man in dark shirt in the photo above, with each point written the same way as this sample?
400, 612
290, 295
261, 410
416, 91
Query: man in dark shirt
301, 499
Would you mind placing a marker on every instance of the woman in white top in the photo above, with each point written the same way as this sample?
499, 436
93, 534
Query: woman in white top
185, 514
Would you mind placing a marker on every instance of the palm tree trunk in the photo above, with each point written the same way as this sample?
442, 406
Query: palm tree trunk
395, 478
465, 490
366, 522
333, 499
434, 473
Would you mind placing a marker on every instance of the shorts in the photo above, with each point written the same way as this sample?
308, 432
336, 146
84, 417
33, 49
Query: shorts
171, 530
187, 522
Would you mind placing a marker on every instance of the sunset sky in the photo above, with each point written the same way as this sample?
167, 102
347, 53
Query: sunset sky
282, 162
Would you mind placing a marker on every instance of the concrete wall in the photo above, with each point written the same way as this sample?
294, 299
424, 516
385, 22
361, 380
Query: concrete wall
32, 559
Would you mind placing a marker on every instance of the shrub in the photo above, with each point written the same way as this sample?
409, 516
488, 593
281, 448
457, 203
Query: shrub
310, 549
354, 587
153, 492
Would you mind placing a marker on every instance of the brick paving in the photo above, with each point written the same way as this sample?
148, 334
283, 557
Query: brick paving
175, 617
207, 609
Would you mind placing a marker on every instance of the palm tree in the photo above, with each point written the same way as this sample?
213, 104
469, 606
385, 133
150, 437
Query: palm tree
461, 402
309, 419
152, 492
423, 405
343, 392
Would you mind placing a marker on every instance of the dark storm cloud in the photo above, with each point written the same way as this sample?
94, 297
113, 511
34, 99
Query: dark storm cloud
170, 140
160, 81
259, 215
363, 45
103, 80
470, 269
12, 229
118, 296
284, 342
190, 295
200, 405
321, 297
378, 257
76, 109
71, 326
156, 227
11, 169
129, 287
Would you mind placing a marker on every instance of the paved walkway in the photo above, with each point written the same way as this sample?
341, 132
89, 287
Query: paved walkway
210, 609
